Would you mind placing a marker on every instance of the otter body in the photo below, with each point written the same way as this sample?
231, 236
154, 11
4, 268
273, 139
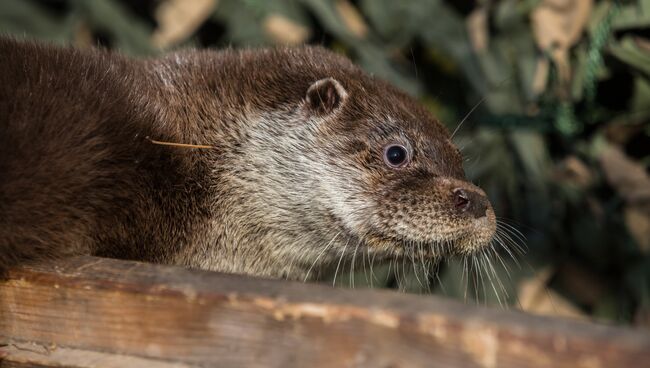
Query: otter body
311, 161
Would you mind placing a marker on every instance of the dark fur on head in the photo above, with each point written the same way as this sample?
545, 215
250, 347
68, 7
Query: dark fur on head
297, 177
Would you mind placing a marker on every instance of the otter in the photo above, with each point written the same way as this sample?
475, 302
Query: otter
310, 160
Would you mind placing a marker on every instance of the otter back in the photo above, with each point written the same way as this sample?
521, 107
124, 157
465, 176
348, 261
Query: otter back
75, 171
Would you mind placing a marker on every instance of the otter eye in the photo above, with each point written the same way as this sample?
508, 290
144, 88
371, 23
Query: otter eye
395, 155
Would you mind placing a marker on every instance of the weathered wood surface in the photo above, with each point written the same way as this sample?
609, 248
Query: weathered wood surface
87, 312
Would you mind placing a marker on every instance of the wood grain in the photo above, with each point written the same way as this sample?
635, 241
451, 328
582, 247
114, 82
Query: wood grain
105, 310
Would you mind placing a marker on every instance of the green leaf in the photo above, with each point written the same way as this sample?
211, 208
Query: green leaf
396, 22
375, 61
640, 104
331, 20
635, 14
531, 150
130, 33
243, 23
446, 32
371, 56
629, 52
24, 18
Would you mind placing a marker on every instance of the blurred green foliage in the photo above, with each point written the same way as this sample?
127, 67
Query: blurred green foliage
555, 154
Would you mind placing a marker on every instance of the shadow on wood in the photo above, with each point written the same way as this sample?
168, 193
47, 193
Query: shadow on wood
88, 311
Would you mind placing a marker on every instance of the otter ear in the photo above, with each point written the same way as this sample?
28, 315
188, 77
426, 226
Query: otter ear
325, 96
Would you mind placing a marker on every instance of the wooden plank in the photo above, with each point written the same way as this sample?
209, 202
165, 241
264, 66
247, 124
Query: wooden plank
186, 317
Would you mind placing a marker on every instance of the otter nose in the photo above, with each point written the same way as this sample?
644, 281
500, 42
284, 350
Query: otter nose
471, 202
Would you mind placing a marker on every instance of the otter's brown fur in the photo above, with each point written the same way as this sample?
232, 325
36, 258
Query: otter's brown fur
295, 180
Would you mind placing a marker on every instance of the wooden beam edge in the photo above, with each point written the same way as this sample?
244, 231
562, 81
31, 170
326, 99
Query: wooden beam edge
30, 354
486, 335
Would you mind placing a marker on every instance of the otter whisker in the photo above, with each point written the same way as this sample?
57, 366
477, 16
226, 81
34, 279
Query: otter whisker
394, 273
404, 275
465, 276
363, 263
320, 255
425, 267
475, 277
339, 264
372, 273
354, 256
398, 279
512, 234
467, 116
520, 236
488, 275
504, 222
481, 272
510, 280
479, 267
499, 238
413, 263
513, 241
501, 242
485, 264
496, 276
500, 259
505, 267
433, 254
436, 273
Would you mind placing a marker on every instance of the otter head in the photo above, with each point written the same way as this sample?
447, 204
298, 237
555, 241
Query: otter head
333, 164
390, 177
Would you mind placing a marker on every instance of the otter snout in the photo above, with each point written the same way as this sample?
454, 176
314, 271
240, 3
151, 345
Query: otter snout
473, 212
471, 202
